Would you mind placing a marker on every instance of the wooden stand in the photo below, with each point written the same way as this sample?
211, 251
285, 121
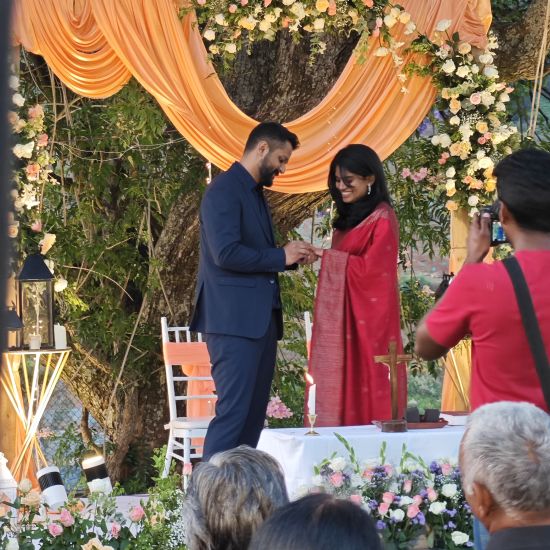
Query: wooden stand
28, 378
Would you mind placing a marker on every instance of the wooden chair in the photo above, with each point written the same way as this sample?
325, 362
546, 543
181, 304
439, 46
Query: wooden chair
190, 384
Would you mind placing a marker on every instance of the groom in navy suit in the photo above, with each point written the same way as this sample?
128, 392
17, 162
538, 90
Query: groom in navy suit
237, 302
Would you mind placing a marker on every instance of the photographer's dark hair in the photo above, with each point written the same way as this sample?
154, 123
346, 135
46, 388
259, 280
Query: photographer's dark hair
363, 161
523, 184
272, 132
317, 522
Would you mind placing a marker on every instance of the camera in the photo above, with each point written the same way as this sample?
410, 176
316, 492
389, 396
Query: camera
497, 232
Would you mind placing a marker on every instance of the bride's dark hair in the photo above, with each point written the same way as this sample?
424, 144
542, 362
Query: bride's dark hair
363, 161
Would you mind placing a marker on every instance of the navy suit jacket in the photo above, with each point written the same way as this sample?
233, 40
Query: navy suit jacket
238, 259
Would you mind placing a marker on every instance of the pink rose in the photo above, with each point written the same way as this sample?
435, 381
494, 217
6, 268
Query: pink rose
66, 518
432, 495
388, 468
42, 140
442, 161
417, 499
481, 140
475, 98
388, 497
187, 469
379, 22
35, 112
201, 2
32, 171
405, 173
244, 2
115, 530
368, 3
337, 479
266, 3
331, 8
367, 474
412, 511
407, 486
446, 468
55, 529
137, 513
36, 226
356, 499
487, 135
383, 508
232, 8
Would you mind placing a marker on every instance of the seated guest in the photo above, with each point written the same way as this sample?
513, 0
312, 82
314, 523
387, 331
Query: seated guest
230, 496
317, 522
505, 464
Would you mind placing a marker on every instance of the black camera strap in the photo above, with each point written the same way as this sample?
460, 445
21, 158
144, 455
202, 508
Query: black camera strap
530, 324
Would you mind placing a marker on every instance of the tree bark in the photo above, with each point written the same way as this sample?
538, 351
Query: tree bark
520, 43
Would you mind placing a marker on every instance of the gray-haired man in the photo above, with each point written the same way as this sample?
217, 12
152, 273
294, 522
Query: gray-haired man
505, 463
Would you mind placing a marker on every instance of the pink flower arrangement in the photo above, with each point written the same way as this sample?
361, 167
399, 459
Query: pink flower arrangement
412, 511
337, 479
115, 530
55, 529
66, 518
277, 409
388, 497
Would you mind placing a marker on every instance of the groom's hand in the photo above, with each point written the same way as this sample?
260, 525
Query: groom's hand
299, 252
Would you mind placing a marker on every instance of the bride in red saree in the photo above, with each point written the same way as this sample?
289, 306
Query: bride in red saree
357, 304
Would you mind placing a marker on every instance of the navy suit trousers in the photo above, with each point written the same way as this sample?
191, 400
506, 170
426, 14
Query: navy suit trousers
242, 369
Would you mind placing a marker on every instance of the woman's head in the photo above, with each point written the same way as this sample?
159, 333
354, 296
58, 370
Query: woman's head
230, 496
357, 184
317, 522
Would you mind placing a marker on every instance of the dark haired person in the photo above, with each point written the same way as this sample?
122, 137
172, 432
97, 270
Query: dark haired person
357, 305
481, 301
237, 301
317, 522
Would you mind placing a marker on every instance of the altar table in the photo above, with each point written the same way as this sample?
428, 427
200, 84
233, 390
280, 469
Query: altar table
298, 453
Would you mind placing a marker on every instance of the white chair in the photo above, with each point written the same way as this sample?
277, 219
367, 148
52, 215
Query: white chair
187, 356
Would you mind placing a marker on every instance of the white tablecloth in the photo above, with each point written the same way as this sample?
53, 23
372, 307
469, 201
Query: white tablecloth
298, 453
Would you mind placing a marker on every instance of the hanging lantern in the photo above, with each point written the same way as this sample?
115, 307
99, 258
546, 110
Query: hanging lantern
35, 294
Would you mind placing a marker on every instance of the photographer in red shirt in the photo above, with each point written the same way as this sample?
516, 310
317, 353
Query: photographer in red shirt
481, 302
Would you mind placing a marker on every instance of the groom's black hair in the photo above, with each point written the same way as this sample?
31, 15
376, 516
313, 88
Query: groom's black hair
272, 132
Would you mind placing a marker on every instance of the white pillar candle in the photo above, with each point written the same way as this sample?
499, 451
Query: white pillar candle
52, 487
60, 337
311, 399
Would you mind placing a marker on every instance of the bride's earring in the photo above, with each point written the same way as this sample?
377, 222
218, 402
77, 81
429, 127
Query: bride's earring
368, 192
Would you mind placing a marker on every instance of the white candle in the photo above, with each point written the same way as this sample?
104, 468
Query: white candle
311, 399
60, 337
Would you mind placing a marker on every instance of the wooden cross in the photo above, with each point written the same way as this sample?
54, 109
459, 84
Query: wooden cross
391, 360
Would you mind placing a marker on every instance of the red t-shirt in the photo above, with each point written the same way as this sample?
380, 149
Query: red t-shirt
480, 301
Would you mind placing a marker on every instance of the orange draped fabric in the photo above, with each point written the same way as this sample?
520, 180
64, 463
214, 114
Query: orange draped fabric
94, 46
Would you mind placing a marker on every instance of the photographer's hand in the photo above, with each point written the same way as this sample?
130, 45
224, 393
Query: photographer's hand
479, 238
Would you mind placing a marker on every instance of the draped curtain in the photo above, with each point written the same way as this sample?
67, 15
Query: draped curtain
95, 46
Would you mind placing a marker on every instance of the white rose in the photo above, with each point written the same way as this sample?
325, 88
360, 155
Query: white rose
288, 2
442, 53
450, 173
450, 185
473, 211
18, 99
487, 98
463, 71
209, 35
410, 27
60, 285
231, 48
455, 121
264, 25
474, 68
480, 154
405, 501
220, 19
443, 25
381, 52
337, 463
486, 58
319, 24
14, 83
25, 485
390, 21
500, 106
356, 480
459, 538
504, 97
449, 66
450, 489
437, 507
472, 201
490, 71
404, 17
397, 515
435, 140
485, 163
99, 486
444, 140
12, 544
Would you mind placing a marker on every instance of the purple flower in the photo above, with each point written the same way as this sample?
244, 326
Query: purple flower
451, 525
380, 525
421, 518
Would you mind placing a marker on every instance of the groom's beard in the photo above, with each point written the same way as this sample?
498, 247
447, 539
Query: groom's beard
267, 175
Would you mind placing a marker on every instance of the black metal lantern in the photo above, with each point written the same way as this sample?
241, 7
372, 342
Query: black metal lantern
35, 303
12, 322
